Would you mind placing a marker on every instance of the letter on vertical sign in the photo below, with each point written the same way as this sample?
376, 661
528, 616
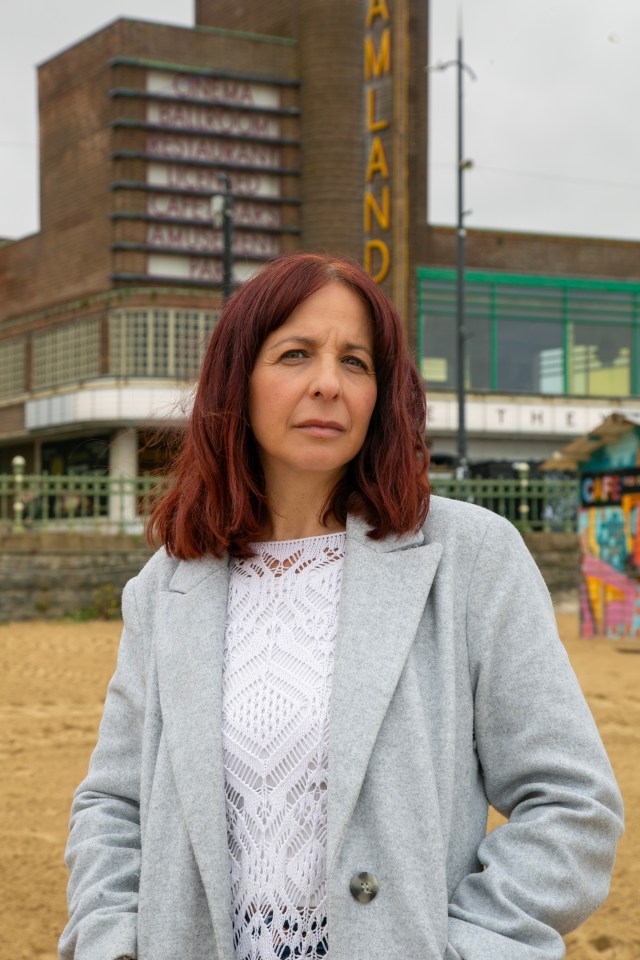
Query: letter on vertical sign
377, 62
382, 214
381, 247
372, 124
377, 161
377, 8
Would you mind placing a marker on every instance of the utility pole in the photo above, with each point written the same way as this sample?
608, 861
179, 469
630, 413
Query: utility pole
461, 330
460, 238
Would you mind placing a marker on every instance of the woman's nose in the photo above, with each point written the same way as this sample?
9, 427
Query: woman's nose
325, 381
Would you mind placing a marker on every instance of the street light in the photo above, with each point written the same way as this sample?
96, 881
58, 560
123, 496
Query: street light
462, 334
222, 216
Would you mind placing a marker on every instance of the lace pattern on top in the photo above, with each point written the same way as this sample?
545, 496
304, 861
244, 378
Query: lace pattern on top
278, 664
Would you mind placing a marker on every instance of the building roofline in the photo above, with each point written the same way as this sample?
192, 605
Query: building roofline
216, 31
571, 238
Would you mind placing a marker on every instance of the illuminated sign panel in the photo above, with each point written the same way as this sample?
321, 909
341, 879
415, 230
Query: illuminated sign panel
206, 180
212, 90
212, 120
198, 210
165, 146
195, 128
195, 268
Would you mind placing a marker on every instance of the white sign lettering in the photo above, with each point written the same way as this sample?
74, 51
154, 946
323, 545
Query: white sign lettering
212, 89
174, 147
196, 268
197, 239
187, 116
199, 178
198, 209
542, 418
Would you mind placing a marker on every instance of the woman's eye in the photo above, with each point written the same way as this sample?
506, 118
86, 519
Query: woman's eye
294, 355
356, 362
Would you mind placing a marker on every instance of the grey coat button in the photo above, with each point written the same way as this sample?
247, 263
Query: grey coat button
363, 887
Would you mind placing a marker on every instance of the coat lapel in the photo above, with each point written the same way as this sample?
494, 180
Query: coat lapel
385, 585
191, 622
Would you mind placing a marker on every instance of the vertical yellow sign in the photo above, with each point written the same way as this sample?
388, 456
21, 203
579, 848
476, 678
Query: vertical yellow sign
378, 88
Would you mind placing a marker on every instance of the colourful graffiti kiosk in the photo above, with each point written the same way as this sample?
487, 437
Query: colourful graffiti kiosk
609, 528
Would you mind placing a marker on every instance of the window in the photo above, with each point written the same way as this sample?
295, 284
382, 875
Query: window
439, 359
66, 353
537, 335
600, 343
159, 343
11, 368
529, 342
192, 332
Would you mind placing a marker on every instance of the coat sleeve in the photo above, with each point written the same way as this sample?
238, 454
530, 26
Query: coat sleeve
103, 851
544, 768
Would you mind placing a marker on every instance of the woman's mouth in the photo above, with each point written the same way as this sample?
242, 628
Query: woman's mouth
321, 428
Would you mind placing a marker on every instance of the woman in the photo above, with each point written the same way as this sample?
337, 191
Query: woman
324, 677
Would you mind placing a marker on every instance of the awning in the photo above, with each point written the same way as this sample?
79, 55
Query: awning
576, 452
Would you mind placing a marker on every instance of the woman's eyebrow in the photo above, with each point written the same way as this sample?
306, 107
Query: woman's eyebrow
310, 342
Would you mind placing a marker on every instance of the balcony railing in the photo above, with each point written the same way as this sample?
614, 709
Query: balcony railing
120, 504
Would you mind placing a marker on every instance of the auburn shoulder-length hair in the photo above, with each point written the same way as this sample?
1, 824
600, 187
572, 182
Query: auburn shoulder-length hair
217, 501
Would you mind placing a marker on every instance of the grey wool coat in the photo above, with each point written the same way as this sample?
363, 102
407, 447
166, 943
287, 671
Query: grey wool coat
451, 689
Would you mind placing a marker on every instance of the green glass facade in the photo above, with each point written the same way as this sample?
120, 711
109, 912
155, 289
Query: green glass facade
535, 335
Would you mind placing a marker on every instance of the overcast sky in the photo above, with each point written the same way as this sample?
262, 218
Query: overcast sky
550, 122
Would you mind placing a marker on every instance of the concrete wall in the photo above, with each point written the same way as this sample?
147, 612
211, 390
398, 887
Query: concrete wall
46, 576
558, 556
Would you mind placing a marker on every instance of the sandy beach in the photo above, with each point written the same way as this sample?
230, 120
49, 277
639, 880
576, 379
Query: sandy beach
53, 678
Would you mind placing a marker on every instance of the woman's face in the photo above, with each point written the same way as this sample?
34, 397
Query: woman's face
313, 387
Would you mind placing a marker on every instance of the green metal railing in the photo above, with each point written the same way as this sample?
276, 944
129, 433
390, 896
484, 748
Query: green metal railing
122, 504
86, 504
546, 504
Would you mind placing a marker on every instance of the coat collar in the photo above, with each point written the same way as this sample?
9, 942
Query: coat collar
190, 573
358, 532
385, 585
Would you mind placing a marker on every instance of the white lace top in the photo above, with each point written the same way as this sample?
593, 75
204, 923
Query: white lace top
278, 664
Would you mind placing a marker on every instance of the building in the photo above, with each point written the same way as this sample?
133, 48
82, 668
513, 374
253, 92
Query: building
317, 114
607, 460
106, 311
